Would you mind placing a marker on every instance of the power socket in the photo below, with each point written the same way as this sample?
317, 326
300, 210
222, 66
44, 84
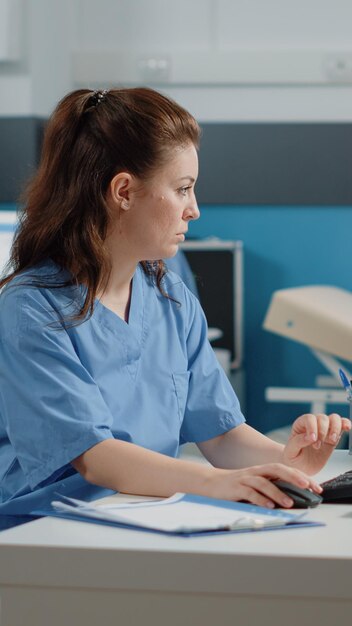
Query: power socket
338, 67
154, 69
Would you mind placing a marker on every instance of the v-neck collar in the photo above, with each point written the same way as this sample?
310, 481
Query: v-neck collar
131, 334
134, 324
136, 310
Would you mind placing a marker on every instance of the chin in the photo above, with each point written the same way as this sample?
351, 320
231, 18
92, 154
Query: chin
170, 252
165, 253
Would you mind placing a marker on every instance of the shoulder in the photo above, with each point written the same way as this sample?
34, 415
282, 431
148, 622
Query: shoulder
180, 305
172, 280
32, 297
174, 287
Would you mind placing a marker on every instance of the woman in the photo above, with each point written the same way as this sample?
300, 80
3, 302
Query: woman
104, 359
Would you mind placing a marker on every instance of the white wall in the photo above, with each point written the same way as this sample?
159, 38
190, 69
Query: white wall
222, 59
51, 29
32, 83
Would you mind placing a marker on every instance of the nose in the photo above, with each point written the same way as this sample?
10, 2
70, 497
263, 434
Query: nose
192, 211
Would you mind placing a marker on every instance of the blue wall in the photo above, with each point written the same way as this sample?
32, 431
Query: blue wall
283, 247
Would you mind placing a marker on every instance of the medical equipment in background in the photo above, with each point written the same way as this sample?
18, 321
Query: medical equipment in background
8, 221
217, 274
319, 317
217, 266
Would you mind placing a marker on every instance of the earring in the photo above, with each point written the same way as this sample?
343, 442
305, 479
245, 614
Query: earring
125, 204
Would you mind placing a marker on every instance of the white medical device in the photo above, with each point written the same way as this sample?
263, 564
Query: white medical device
319, 317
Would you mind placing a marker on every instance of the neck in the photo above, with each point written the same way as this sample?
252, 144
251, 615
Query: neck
117, 293
120, 278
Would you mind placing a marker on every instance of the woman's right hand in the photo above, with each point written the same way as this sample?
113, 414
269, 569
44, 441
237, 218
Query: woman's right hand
255, 484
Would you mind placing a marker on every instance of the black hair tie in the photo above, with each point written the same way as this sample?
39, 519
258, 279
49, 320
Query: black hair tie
97, 98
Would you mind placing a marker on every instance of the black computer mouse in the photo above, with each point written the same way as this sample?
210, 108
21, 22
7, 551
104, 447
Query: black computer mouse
302, 498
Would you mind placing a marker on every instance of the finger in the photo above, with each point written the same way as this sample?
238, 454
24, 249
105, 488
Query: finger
298, 442
249, 494
335, 427
307, 426
270, 491
323, 424
346, 424
284, 472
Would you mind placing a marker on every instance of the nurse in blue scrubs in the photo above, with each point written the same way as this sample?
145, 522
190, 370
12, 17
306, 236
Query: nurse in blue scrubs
105, 366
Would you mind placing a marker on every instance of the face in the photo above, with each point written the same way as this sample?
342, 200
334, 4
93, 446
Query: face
159, 210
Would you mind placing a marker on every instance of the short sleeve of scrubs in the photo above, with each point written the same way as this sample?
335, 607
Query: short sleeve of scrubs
212, 407
51, 407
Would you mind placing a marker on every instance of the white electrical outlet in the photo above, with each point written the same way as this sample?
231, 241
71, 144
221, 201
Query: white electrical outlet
156, 69
338, 67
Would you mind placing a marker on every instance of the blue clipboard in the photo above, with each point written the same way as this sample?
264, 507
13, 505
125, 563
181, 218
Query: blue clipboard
292, 520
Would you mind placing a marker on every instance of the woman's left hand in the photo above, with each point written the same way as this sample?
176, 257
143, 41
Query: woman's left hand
312, 440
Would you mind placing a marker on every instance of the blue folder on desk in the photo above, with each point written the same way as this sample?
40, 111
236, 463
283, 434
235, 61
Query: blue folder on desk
182, 514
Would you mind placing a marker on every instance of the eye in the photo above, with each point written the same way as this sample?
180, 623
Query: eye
183, 190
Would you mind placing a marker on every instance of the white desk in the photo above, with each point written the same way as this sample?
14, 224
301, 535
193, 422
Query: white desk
62, 573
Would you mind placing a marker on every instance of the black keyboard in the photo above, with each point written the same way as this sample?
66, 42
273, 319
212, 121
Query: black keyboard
338, 490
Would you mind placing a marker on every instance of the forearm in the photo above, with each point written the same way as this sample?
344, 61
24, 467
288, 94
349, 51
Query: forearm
241, 447
129, 468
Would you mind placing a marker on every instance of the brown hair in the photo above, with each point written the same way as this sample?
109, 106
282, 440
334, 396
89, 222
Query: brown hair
90, 137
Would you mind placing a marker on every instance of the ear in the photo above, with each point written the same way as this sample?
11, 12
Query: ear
120, 190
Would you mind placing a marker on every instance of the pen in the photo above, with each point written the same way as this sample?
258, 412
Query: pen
346, 383
348, 388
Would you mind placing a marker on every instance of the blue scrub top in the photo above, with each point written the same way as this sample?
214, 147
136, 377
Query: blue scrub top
153, 381
180, 266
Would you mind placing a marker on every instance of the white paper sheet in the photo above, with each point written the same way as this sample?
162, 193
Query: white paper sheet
177, 515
